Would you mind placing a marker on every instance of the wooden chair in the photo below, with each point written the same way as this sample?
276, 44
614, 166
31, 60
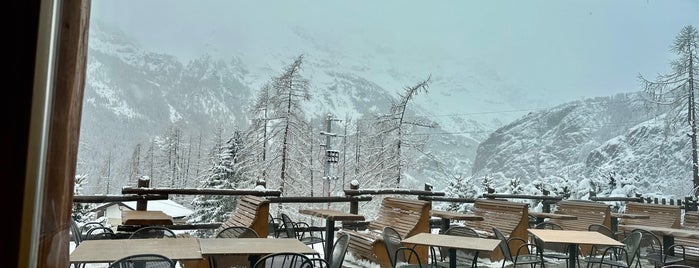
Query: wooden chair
237, 232
144, 261
510, 218
250, 211
408, 217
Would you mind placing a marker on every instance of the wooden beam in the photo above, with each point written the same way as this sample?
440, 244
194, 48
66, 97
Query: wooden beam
199, 191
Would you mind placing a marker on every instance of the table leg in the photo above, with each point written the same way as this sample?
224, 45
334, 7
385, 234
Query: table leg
329, 239
572, 254
452, 258
445, 225
668, 241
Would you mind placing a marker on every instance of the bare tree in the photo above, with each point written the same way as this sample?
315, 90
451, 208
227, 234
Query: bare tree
677, 89
398, 124
291, 89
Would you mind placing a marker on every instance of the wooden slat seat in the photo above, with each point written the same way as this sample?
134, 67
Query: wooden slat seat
587, 212
660, 215
408, 217
250, 211
511, 218
691, 222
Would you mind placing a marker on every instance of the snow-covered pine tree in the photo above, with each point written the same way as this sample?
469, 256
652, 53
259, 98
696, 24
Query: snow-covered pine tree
225, 173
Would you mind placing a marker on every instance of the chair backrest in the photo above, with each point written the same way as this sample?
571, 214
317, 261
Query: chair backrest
339, 251
100, 233
284, 260
153, 232
85, 228
632, 243
649, 245
75, 234
237, 232
504, 245
461, 255
144, 261
288, 226
392, 239
602, 230
557, 247
548, 225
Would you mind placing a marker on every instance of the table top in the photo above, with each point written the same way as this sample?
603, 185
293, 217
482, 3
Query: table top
674, 232
553, 215
109, 250
334, 215
452, 241
630, 216
252, 246
574, 237
145, 217
452, 215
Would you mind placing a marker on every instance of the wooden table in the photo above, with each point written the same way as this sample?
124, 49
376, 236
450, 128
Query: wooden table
668, 234
252, 247
573, 239
453, 243
330, 217
145, 217
617, 216
540, 216
105, 251
448, 216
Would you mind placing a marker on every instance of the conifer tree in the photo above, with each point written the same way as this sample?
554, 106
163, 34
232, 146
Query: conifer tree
678, 90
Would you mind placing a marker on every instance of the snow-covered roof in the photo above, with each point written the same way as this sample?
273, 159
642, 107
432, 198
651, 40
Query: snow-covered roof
169, 207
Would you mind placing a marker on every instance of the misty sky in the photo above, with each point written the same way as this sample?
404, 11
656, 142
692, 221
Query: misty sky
577, 48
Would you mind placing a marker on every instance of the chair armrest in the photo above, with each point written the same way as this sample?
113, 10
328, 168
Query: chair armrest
412, 253
319, 263
617, 250
672, 249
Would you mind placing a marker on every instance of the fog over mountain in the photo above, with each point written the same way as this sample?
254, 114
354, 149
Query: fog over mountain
518, 96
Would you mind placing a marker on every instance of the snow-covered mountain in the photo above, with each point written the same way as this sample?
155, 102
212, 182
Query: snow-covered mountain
607, 144
133, 97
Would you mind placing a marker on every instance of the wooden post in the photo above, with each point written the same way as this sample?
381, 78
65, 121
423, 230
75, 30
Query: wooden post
690, 204
261, 182
142, 183
354, 205
63, 131
546, 206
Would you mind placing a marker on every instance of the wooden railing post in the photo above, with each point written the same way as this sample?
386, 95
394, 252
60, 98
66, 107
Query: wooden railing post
546, 206
690, 204
143, 182
261, 182
354, 205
